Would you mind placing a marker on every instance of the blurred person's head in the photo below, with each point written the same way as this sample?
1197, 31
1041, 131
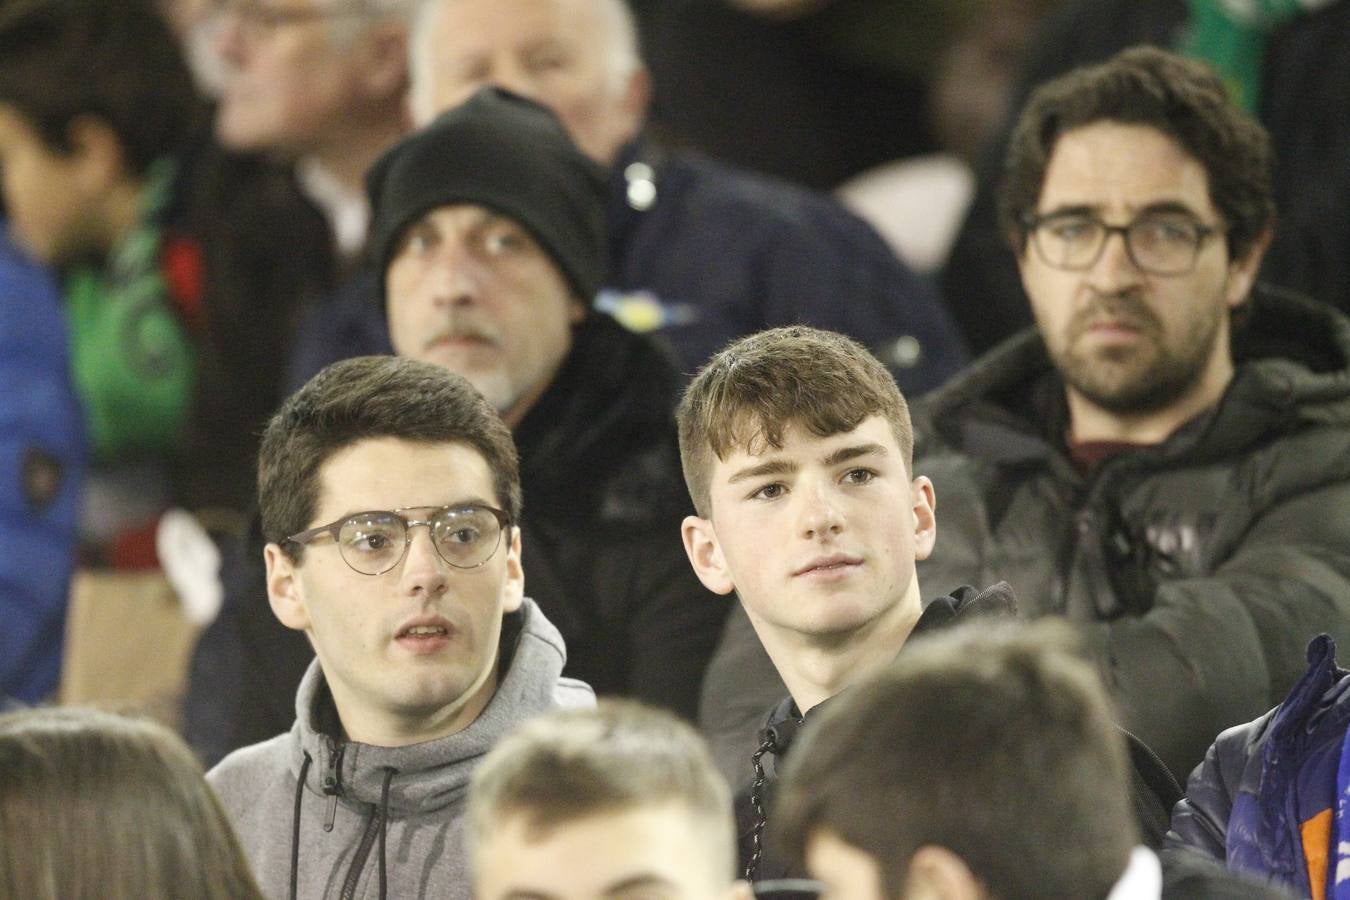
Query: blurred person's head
1138, 200
389, 493
577, 57
92, 93
796, 446
311, 77
94, 806
620, 800
197, 25
487, 232
982, 764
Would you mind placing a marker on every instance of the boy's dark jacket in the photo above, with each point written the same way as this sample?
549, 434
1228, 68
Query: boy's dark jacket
1153, 788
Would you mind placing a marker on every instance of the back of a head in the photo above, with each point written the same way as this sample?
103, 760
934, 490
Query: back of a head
93, 805
115, 60
621, 756
752, 389
995, 744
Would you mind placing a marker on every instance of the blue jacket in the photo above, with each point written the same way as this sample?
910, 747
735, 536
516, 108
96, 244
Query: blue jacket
1263, 800
41, 468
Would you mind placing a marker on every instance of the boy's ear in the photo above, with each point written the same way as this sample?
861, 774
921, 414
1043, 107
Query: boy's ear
98, 153
939, 873
705, 554
284, 591
514, 590
925, 516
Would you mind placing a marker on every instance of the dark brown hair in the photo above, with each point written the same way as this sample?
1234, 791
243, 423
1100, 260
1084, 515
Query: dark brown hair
616, 757
115, 60
997, 745
93, 805
372, 397
1181, 98
747, 394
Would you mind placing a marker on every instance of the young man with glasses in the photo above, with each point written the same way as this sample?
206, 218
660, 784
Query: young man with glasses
389, 494
1165, 458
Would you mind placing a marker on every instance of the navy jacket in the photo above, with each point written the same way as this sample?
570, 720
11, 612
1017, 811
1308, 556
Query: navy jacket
1265, 795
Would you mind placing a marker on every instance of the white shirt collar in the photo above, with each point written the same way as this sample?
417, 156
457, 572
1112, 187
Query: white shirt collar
1142, 879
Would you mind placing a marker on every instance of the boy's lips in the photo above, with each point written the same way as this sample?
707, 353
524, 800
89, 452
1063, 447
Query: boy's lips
425, 633
834, 563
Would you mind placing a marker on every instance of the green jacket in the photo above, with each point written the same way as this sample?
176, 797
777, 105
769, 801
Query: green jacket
1198, 568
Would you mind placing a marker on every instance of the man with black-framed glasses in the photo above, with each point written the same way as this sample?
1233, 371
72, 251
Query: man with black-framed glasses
1165, 458
389, 493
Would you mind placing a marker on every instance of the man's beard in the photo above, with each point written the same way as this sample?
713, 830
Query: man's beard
1146, 376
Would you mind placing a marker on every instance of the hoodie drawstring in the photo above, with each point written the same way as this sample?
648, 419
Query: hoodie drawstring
757, 804
295, 825
389, 774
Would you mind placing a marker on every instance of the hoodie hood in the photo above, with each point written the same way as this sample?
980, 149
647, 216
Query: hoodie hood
433, 774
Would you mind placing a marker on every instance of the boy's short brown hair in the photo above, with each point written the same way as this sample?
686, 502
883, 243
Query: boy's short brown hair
372, 397
618, 756
747, 394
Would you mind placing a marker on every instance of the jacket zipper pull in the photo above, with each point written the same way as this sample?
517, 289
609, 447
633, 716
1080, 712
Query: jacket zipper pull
332, 782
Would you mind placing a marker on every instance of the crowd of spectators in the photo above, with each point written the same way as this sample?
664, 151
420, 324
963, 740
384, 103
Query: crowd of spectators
513, 473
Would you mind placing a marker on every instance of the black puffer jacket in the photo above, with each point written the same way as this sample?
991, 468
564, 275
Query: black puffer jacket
604, 497
1198, 568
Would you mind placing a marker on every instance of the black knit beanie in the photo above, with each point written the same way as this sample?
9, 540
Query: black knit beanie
504, 152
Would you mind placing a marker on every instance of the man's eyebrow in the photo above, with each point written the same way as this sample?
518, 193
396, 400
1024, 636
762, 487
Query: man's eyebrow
1088, 209
528, 894
641, 880
771, 467
1067, 209
1169, 206
844, 454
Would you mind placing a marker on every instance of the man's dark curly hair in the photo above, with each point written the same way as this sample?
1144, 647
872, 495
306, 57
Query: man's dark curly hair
1181, 98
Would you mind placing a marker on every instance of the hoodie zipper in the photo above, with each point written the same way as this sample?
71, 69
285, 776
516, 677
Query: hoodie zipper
359, 859
332, 782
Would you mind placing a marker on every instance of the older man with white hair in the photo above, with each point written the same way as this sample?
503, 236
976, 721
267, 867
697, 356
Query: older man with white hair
321, 84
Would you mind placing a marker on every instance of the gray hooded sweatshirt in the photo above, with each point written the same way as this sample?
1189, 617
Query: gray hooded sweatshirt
330, 839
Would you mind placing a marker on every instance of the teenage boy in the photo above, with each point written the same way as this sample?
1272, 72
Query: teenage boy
796, 446
584, 804
389, 495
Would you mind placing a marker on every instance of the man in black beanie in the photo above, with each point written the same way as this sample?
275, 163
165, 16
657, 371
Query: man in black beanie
487, 231
488, 238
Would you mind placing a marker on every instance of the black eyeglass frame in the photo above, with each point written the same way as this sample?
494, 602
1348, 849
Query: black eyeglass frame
1032, 223
334, 529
